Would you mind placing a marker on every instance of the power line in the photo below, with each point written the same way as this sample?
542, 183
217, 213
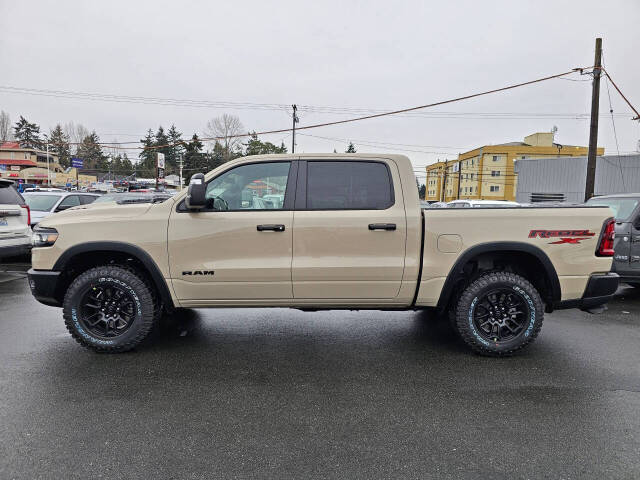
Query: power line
615, 134
637, 117
94, 96
360, 118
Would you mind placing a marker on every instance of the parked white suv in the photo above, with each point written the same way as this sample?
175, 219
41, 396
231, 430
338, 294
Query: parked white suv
43, 204
15, 233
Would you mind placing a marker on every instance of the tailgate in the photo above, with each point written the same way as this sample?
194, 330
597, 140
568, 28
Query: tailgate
13, 221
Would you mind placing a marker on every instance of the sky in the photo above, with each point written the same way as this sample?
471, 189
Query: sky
356, 56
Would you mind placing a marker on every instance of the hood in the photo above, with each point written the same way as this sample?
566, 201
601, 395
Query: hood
90, 213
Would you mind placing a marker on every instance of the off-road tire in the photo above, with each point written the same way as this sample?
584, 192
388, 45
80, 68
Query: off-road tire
472, 295
146, 313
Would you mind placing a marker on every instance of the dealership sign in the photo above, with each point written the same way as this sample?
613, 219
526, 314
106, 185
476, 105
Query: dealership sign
77, 163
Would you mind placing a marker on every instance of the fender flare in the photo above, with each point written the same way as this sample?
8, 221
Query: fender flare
120, 247
498, 247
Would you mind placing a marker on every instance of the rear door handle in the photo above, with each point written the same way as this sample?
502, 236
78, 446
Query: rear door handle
273, 228
382, 226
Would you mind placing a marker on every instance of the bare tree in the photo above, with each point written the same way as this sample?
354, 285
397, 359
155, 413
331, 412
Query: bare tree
5, 127
76, 133
225, 129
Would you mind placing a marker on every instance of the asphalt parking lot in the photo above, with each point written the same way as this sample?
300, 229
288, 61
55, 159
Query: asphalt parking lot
283, 394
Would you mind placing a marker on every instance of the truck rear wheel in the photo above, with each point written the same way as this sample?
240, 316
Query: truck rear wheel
109, 309
499, 314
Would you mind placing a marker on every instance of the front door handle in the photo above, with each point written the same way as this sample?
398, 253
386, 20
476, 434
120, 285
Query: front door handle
273, 228
382, 226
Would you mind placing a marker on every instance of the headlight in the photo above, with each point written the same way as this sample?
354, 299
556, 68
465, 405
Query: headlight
43, 237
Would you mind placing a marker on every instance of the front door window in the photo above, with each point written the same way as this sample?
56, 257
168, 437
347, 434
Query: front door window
258, 186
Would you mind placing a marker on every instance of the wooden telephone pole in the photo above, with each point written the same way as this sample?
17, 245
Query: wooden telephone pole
593, 130
293, 130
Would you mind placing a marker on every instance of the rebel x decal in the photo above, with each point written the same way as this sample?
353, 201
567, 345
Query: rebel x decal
565, 236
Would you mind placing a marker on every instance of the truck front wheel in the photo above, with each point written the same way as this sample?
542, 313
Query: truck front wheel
109, 309
499, 313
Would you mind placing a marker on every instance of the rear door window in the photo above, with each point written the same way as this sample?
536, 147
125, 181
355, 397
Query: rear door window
361, 185
70, 201
86, 199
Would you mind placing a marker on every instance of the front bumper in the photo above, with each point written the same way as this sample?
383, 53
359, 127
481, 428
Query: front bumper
600, 290
43, 284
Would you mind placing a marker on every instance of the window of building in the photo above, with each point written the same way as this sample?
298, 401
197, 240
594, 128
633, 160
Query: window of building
348, 185
494, 188
495, 173
495, 158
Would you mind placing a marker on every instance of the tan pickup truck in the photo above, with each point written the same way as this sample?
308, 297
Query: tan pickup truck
312, 232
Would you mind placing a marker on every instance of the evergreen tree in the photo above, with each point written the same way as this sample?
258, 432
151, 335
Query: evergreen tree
194, 160
90, 151
422, 191
256, 147
217, 156
59, 144
27, 134
351, 148
175, 150
147, 164
127, 166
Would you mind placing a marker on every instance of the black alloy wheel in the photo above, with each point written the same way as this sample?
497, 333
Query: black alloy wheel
107, 311
501, 315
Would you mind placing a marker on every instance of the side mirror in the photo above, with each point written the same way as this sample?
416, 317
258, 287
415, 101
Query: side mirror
196, 194
60, 208
636, 224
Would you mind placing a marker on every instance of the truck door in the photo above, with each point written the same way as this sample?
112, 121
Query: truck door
349, 230
240, 245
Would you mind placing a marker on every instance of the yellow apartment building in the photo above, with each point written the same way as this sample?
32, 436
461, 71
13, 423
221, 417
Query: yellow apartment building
487, 173
435, 175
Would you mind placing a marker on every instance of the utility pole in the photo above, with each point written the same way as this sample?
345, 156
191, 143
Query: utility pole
293, 130
48, 171
459, 176
593, 130
181, 164
444, 183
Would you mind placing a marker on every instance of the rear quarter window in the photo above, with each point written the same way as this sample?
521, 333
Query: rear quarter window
9, 195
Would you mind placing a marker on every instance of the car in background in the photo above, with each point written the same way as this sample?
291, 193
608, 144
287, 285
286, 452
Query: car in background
42, 189
22, 186
424, 204
626, 243
134, 197
482, 204
15, 234
43, 204
275, 200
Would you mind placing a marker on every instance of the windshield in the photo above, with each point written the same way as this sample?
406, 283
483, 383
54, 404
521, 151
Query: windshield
622, 207
41, 203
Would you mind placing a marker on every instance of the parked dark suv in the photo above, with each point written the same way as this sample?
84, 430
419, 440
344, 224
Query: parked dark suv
626, 208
